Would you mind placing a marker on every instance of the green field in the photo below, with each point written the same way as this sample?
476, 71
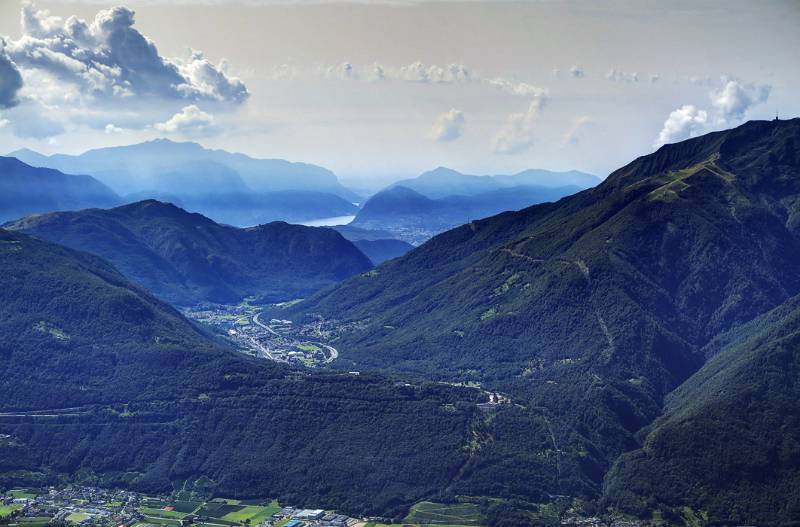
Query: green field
77, 517
6, 510
36, 521
161, 513
441, 514
256, 514
22, 493
186, 506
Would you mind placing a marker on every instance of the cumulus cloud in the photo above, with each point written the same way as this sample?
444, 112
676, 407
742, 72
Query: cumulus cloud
10, 79
112, 129
448, 126
419, 72
414, 72
110, 57
683, 123
521, 89
615, 75
734, 98
343, 71
577, 72
191, 120
573, 133
729, 105
517, 134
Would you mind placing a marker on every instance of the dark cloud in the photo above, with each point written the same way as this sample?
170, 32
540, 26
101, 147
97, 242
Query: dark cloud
10, 80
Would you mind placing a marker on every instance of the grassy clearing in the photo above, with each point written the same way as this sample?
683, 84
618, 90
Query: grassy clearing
36, 521
6, 510
441, 514
255, 513
77, 517
161, 513
186, 506
22, 493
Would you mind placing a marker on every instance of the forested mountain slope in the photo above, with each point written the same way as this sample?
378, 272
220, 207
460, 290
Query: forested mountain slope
729, 442
187, 258
100, 380
597, 306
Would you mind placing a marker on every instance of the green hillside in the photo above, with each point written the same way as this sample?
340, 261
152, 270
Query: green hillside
102, 383
594, 308
729, 442
187, 258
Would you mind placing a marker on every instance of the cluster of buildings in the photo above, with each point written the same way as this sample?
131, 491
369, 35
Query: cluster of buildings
79, 505
309, 518
276, 340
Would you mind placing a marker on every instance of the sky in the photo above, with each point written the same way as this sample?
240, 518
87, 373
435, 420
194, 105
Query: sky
383, 90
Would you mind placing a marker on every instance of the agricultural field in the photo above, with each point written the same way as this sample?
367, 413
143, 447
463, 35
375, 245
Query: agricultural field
253, 513
77, 517
22, 493
444, 515
6, 510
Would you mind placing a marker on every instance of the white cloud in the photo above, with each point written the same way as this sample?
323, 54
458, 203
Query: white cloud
343, 71
577, 72
191, 120
110, 58
448, 126
683, 123
111, 129
615, 75
517, 134
33, 120
573, 133
734, 99
521, 89
419, 72
414, 72
729, 105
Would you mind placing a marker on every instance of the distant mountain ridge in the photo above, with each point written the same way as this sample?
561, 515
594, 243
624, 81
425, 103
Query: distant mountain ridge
31, 190
187, 258
414, 217
443, 182
141, 166
231, 188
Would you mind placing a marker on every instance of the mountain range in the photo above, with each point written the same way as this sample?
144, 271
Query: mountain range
186, 258
414, 217
230, 188
164, 165
442, 182
102, 384
642, 338
598, 310
27, 190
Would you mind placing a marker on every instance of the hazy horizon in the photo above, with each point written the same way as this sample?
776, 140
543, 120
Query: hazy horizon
382, 91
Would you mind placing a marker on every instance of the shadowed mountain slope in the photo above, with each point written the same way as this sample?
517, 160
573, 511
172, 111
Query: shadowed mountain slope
27, 190
187, 258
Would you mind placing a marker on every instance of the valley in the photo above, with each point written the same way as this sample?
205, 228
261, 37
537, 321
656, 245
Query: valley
275, 339
86, 505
